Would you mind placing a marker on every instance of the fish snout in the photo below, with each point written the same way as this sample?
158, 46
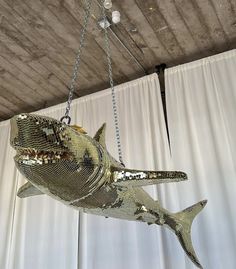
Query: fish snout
32, 131
15, 122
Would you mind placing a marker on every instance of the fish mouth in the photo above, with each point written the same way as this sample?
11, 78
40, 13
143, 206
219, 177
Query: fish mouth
37, 132
34, 156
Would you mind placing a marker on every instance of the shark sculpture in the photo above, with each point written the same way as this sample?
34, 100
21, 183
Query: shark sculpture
68, 165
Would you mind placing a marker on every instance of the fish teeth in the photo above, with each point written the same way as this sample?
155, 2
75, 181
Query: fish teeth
42, 155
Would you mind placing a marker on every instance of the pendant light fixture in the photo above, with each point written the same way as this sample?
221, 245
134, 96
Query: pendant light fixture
107, 4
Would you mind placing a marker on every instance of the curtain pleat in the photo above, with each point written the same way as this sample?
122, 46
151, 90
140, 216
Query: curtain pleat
39, 232
201, 108
35, 232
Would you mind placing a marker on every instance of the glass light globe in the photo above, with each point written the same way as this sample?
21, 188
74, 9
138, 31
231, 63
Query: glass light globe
116, 17
107, 4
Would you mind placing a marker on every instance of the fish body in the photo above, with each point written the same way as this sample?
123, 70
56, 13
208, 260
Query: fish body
65, 163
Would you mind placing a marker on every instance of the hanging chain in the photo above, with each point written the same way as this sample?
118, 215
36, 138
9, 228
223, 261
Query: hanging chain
76, 69
77, 61
114, 106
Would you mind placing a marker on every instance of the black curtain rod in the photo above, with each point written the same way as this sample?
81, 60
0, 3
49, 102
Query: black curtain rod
160, 67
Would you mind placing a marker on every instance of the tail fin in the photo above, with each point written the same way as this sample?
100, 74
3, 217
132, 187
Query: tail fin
184, 221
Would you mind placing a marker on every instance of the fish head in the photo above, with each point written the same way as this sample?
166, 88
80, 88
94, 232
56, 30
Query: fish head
39, 139
51, 154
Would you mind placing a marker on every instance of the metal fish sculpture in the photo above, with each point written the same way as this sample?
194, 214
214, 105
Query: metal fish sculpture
68, 165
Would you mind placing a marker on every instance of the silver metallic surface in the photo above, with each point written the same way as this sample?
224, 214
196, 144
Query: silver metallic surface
114, 106
77, 61
65, 163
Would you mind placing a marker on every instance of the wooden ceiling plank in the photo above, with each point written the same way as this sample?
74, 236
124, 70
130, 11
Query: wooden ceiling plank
49, 76
88, 62
46, 83
92, 56
60, 30
225, 11
180, 30
118, 29
8, 105
43, 60
56, 67
60, 63
128, 42
96, 34
40, 33
198, 28
40, 39
17, 68
120, 58
23, 86
74, 28
130, 12
19, 22
215, 28
98, 59
233, 6
5, 107
158, 23
89, 42
142, 26
4, 115
7, 92
21, 89
123, 35
17, 73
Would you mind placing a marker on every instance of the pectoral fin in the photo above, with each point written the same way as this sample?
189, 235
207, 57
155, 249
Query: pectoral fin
28, 190
138, 178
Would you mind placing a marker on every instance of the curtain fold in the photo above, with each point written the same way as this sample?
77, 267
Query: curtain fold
39, 232
201, 108
36, 232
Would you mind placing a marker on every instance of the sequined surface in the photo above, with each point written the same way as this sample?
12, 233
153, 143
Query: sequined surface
65, 163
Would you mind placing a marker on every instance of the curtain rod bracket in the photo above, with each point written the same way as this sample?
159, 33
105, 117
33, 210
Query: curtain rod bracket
160, 67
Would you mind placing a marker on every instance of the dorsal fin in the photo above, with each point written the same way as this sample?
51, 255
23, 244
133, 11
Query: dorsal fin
100, 135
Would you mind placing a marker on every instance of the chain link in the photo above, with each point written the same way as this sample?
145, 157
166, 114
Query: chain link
76, 69
77, 61
114, 106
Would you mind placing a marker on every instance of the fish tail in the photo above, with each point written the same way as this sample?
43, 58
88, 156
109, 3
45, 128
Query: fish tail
183, 221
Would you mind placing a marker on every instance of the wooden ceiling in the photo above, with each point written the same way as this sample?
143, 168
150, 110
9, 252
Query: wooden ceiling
39, 40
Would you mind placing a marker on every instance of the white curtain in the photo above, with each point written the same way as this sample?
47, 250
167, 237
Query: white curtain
201, 106
39, 232
36, 232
